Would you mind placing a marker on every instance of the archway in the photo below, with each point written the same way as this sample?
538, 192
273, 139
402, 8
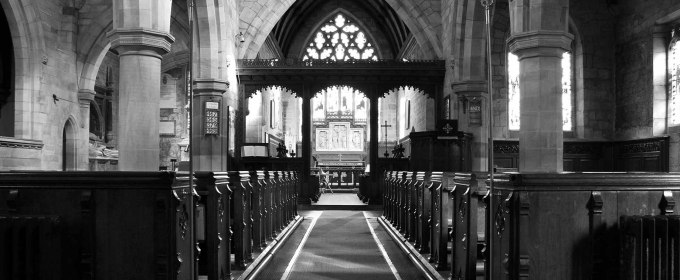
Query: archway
69, 146
7, 96
273, 117
403, 110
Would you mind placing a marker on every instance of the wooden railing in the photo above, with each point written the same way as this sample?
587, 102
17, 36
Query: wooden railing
137, 225
545, 226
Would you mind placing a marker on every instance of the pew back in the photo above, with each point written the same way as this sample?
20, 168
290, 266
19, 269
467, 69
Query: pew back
113, 225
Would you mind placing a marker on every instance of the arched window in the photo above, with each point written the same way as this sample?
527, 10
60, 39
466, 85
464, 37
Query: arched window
673, 73
514, 92
340, 39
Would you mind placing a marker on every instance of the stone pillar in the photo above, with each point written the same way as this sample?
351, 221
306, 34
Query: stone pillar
85, 98
540, 135
209, 151
473, 94
539, 38
140, 53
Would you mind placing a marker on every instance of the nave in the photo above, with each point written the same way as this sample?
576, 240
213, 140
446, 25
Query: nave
340, 244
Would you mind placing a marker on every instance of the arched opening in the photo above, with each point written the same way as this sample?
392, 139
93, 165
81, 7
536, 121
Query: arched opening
402, 111
6, 79
274, 117
340, 133
68, 151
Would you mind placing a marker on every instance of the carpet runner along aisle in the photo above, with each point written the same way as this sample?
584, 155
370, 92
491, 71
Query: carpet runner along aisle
340, 246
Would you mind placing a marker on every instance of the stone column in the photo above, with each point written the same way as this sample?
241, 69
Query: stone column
85, 98
539, 38
140, 53
209, 151
540, 135
473, 93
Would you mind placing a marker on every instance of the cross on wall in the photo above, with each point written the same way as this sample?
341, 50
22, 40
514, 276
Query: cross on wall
386, 126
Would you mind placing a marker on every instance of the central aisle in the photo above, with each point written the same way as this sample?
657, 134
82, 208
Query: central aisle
341, 246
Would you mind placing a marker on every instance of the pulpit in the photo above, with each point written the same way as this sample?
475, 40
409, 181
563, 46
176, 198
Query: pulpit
440, 151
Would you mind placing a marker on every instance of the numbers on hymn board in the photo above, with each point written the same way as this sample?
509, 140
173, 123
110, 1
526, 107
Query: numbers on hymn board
212, 118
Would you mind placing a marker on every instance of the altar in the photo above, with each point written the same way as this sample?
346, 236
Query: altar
344, 169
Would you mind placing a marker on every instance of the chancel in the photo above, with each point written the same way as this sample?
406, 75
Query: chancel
340, 139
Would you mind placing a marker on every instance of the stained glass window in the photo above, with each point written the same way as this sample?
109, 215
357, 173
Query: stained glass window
340, 39
566, 92
514, 92
673, 73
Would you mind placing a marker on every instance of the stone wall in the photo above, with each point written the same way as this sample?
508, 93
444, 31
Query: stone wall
594, 66
46, 115
634, 65
259, 121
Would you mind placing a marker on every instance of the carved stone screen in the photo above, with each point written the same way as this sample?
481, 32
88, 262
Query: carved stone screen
339, 137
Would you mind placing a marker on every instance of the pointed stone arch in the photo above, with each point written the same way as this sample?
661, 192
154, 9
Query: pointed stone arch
29, 52
69, 149
92, 43
425, 22
257, 21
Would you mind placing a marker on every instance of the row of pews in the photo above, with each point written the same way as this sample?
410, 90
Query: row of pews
430, 209
140, 225
544, 226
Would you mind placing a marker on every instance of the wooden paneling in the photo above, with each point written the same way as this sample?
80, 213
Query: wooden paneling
115, 225
565, 226
432, 151
649, 155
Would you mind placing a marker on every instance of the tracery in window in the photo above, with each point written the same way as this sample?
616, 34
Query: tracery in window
673, 73
340, 39
514, 92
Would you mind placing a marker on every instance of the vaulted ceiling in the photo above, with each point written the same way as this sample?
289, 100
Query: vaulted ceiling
387, 20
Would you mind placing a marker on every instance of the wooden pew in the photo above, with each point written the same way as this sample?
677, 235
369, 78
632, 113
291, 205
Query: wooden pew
411, 207
439, 207
109, 225
214, 188
256, 181
566, 226
239, 184
388, 200
468, 223
424, 209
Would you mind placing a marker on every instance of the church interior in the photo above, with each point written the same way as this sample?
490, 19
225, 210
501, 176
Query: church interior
306, 139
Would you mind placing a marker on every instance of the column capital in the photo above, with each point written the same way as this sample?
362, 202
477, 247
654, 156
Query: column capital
137, 40
209, 86
86, 95
464, 87
540, 43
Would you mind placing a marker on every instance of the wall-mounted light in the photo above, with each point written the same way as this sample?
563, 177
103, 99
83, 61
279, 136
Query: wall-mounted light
240, 37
